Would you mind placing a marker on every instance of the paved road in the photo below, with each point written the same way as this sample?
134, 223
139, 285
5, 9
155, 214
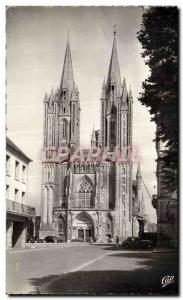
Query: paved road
89, 269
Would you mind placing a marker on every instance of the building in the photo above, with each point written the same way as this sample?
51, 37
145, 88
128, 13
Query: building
165, 204
19, 214
87, 195
138, 205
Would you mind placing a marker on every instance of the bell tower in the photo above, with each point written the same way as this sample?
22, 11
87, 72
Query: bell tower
61, 128
116, 106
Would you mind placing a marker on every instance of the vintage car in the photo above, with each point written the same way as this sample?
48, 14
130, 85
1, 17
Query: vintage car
35, 240
136, 242
52, 239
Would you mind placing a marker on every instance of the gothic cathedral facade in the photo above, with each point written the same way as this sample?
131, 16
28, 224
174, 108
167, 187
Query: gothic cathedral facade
87, 198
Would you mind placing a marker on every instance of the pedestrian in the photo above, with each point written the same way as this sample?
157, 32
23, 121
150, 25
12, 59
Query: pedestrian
117, 241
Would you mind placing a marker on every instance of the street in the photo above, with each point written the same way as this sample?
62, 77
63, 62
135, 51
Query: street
89, 269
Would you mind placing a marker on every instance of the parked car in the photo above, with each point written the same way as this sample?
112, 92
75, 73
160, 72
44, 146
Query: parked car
52, 239
35, 240
136, 242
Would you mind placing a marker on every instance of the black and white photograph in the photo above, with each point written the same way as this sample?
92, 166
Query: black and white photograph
92, 150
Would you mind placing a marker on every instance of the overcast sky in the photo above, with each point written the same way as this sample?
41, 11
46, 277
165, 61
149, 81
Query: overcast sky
36, 41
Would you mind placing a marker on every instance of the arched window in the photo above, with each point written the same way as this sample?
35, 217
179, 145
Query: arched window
112, 129
85, 194
113, 125
64, 129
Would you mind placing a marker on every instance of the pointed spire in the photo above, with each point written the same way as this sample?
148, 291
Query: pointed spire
93, 137
125, 93
139, 171
103, 95
130, 92
114, 70
77, 91
67, 79
45, 98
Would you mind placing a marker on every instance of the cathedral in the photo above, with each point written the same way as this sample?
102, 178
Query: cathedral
89, 194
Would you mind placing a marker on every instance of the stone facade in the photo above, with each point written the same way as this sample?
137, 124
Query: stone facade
17, 211
83, 195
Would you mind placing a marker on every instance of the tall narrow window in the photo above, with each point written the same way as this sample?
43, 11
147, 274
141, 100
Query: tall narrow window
17, 170
7, 191
24, 173
64, 129
73, 118
16, 196
23, 197
7, 164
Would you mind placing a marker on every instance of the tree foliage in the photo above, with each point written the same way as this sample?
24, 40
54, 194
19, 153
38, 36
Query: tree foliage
159, 38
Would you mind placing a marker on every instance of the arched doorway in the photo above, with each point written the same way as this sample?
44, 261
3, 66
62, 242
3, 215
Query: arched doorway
61, 228
109, 228
84, 227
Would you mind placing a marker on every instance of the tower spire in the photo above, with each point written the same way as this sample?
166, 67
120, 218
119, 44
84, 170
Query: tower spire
67, 79
130, 91
114, 70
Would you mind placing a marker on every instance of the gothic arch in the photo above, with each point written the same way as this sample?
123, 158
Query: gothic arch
113, 125
85, 192
82, 216
62, 226
109, 226
84, 226
64, 128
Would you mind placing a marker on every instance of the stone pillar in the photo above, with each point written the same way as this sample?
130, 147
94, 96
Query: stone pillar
9, 233
50, 205
45, 200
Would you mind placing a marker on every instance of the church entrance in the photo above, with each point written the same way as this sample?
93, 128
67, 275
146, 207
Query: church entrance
84, 227
85, 235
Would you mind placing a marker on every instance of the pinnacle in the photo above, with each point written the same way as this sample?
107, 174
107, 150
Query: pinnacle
139, 171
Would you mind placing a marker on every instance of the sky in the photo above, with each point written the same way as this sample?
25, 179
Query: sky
36, 42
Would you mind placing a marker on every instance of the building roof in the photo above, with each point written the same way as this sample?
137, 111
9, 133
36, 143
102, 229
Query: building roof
14, 149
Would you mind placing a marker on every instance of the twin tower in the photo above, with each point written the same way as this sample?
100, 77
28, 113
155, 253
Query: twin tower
83, 199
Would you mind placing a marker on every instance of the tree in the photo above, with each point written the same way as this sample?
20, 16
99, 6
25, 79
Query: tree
159, 38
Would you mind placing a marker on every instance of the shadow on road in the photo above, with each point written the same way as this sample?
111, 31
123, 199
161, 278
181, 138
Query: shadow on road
145, 279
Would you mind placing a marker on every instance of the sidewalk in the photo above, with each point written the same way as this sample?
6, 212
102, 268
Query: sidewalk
41, 246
